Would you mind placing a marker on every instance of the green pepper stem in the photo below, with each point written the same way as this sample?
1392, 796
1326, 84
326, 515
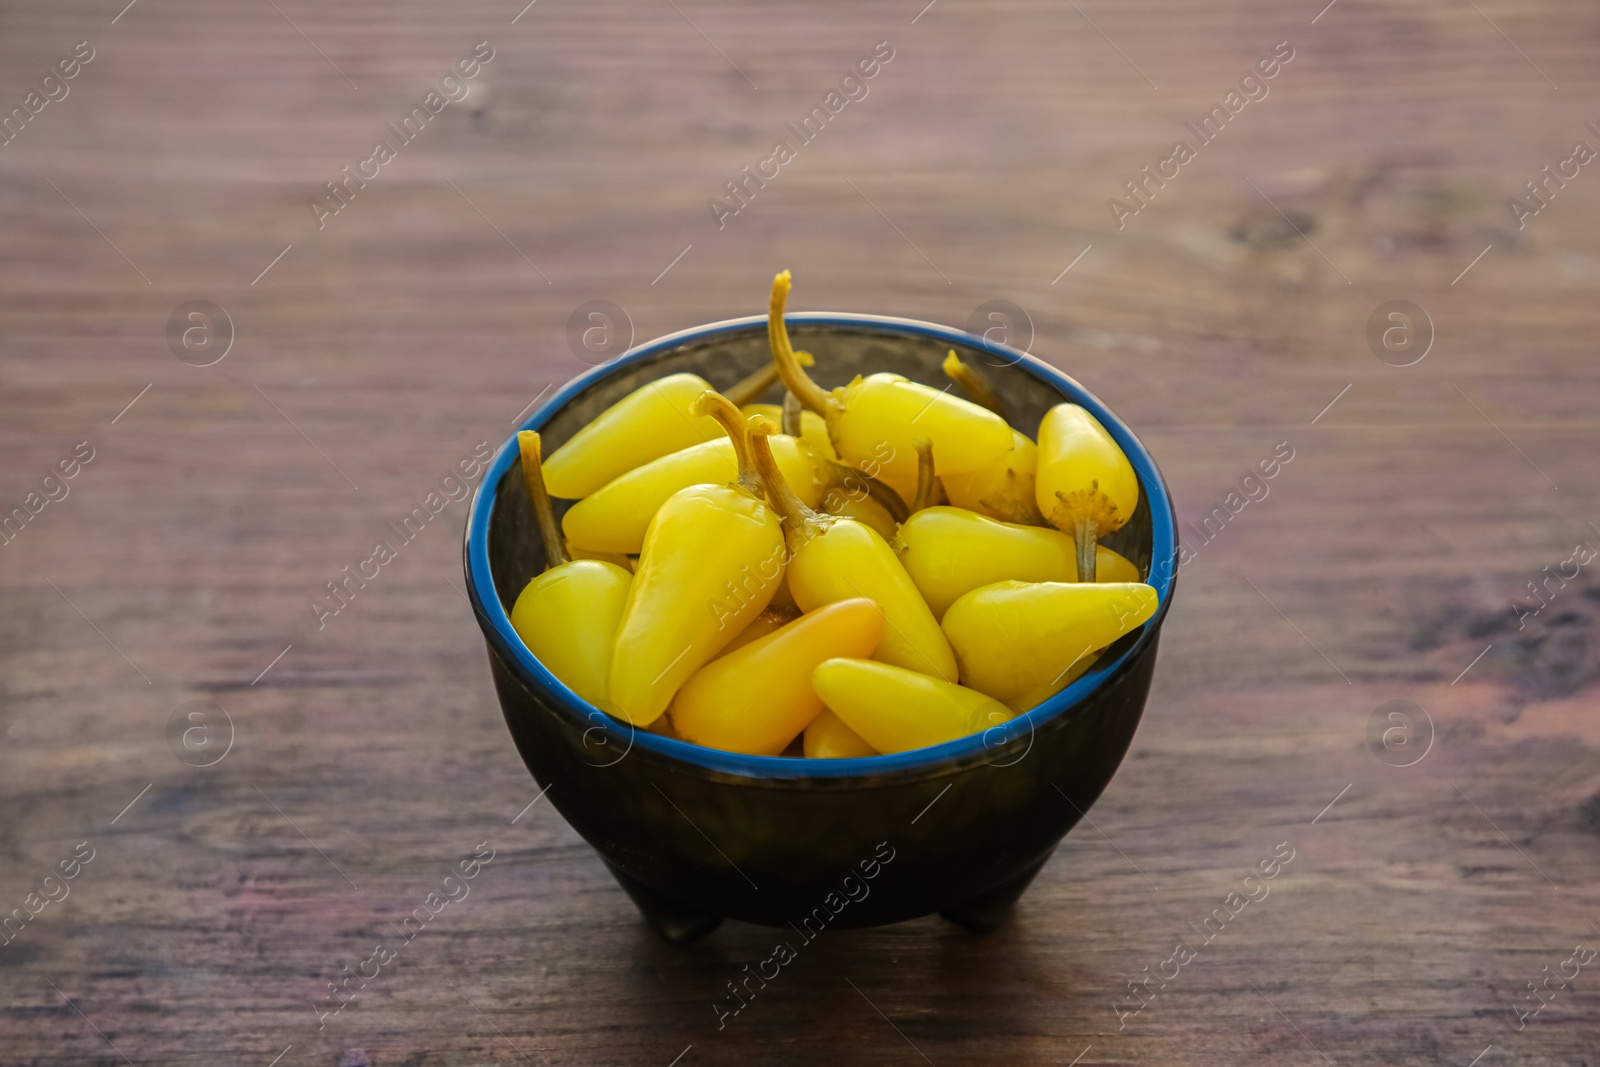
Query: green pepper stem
748, 390
733, 424
974, 384
794, 376
851, 478
1086, 531
800, 523
924, 496
555, 546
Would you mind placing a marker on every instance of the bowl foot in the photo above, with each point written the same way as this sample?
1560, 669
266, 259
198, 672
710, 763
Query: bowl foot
678, 923
987, 911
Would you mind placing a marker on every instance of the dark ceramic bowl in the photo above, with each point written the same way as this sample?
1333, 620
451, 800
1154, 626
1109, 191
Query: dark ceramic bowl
694, 834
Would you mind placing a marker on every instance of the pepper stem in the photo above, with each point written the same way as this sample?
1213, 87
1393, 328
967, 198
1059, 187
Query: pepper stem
924, 497
794, 376
555, 546
854, 480
733, 424
800, 523
974, 384
748, 390
792, 413
1086, 532
1091, 513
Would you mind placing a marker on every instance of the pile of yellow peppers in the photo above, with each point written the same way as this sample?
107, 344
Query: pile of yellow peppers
863, 570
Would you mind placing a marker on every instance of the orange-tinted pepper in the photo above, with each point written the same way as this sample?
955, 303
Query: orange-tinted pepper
757, 699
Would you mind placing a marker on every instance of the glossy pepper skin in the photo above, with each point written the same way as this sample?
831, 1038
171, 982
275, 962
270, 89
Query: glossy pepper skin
829, 738
848, 559
833, 559
1084, 484
1019, 641
874, 421
757, 699
654, 420
568, 616
950, 551
712, 559
614, 517
896, 710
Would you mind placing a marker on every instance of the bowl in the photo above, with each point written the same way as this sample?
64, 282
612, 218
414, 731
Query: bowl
694, 834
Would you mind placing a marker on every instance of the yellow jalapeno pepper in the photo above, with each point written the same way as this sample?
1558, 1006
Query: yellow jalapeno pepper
614, 517
950, 551
757, 699
829, 738
1084, 484
832, 559
873, 422
568, 616
895, 710
654, 420
712, 560
1019, 642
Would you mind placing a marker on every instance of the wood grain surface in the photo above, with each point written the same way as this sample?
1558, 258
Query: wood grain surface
368, 756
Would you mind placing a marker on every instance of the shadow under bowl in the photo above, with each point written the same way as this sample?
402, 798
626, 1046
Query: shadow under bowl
694, 834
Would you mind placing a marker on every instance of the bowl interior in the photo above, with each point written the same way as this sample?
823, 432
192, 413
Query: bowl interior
505, 550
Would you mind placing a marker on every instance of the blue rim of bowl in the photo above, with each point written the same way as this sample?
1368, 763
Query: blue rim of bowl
496, 621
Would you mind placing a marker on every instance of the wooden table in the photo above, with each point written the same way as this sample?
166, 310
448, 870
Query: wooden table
368, 756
